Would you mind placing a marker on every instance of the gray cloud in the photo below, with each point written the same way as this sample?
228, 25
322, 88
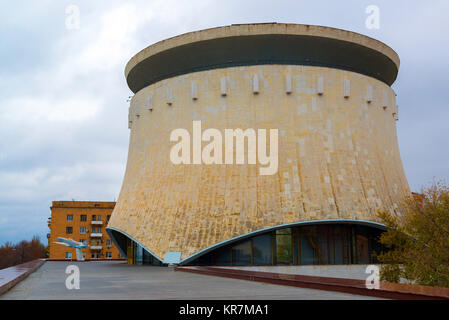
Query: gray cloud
63, 114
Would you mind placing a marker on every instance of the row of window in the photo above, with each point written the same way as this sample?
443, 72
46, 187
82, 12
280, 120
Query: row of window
301, 245
305, 245
93, 255
83, 217
97, 242
69, 230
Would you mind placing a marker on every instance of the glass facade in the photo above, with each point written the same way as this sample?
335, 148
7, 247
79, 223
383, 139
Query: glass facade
136, 254
320, 244
302, 245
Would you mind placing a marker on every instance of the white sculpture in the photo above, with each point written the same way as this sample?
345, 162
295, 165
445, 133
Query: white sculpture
73, 244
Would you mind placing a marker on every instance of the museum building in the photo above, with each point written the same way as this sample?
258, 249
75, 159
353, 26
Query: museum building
328, 94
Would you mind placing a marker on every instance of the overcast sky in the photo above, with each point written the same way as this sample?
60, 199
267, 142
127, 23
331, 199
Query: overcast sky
63, 110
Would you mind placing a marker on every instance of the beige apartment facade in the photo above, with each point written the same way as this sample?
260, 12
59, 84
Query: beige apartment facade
82, 221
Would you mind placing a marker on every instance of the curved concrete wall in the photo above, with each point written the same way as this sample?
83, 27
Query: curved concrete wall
338, 156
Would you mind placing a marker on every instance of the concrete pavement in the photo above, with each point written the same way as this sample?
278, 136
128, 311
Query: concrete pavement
116, 280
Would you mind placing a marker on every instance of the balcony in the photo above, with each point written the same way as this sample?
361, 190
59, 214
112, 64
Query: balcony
96, 234
97, 222
96, 247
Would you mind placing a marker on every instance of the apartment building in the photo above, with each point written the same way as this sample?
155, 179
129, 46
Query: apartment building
83, 221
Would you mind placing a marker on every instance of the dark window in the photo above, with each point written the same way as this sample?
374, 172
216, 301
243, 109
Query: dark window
70, 217
262, 250
83, 217
138, 252
241, 254
305, 249
362, 239
284, 247
146, 257
223, 256
68, 230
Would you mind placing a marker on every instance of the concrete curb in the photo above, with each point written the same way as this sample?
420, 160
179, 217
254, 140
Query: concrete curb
387, 290
11, 276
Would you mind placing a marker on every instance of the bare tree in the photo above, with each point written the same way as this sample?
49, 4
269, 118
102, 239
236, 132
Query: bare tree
24, 251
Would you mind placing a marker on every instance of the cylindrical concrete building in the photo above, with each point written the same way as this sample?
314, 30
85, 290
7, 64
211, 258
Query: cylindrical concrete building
326, 92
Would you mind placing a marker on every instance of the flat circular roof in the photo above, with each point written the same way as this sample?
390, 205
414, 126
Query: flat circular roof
259, 44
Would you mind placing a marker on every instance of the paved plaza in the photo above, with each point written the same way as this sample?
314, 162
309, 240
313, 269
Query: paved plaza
117, 280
